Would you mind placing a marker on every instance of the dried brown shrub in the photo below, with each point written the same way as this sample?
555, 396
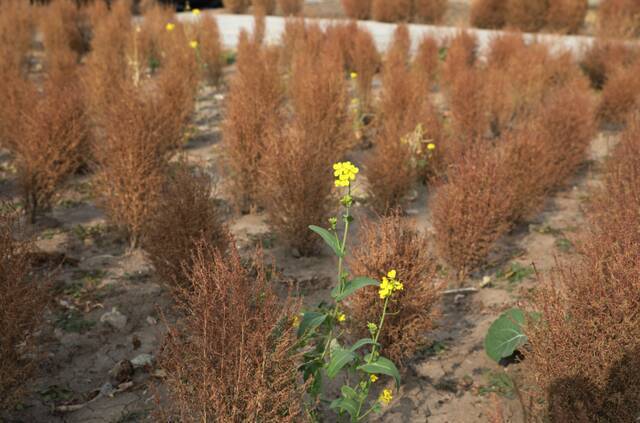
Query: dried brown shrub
567, 16
393, 243
16, 35
22, 302
527, 15
254, 105
267, 6
46, 150
618, 18
185, 214
210, 56
391, 10
236, 6
430, 11
291, 7
591, 305
357, 9
365, 61
235, 360
470, 212
620, 95
603, 58
62, 37
490, 14
427, 60
296, 178
467, 101
461, 55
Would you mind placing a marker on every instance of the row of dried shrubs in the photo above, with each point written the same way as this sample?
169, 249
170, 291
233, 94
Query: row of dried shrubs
566, 16
268, 7
235, 360
393, 243
424, 11
584, 351
23, 298
495, 182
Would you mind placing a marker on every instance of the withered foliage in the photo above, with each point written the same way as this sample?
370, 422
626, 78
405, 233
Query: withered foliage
391, 10
232, 356
490, 14
393, 243
290, 7
236, 6
584, 350
430, 11
603, 58
184, 215
357, 9
566, 16
254, 106
22, 301
618, 18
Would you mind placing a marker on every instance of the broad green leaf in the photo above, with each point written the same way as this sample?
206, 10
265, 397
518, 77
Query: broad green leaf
329, 238
339, 358
345, 404
352, 286
361, 343
310, 321
382, 366
349, 392
505, 335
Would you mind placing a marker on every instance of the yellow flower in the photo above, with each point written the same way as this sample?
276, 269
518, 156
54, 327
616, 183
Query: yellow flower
355, 101
342, 317
170, 26
345, 172
431, 146
193, 44
386, 397
354, 75
389, 285
373, 378
196, 12
296, 322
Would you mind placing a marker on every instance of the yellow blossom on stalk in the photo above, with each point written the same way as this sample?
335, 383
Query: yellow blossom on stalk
342, 317
431, 146
373, 378
196, 12
353, 75
193, 44
345, 172
296, 322
170, 26
386, 397
389, 285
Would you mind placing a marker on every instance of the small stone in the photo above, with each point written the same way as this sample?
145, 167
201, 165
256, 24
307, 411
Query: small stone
121, 372
143, 360
114, 319
152, 320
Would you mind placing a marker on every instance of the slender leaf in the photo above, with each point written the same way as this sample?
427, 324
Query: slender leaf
349, 392
310, 321
339, 358
352, 286
329, 238
345, 404
361, 343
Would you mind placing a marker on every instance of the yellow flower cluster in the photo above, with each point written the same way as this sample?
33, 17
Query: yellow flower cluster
345, 172
170, 26
431, 146
389, 285
354, 75
373, 378
196, 12
342, 317
386, 397
193, 44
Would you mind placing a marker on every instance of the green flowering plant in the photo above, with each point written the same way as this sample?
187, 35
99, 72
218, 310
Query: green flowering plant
320, 331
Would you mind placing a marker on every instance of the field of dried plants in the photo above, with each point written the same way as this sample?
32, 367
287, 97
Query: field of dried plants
315, 230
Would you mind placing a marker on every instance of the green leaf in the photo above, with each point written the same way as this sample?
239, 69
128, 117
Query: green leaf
329, 238
361, 343
339, 358
345, 404
349, 392
505, 335
382, 366
353, 286
310, 321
